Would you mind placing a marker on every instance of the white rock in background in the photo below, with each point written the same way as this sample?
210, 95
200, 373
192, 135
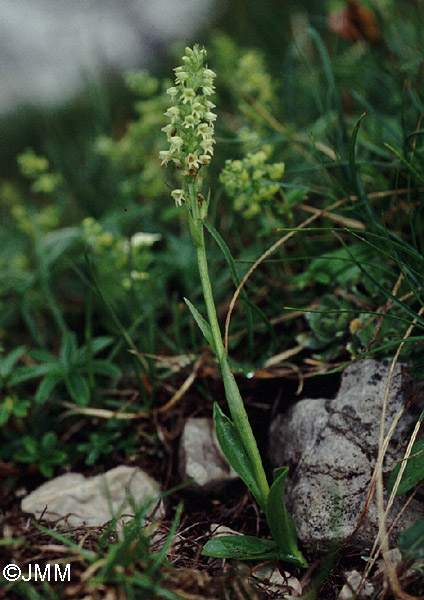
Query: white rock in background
331, 447
48, 47
201, 458
353, 581
94, 501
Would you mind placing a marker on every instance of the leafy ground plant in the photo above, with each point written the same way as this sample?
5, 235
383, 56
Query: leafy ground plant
190, 134
68, 369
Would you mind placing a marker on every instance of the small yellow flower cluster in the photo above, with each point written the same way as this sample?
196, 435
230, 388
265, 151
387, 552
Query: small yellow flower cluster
251, 181
253, 78
190, 131
99, 240
37, 168
120, 261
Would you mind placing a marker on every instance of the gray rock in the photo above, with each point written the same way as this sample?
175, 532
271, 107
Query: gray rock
201, 458
331, 447
93, 501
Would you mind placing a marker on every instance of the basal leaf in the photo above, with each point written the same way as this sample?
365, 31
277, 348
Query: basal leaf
242, 547
411, 541
280, 521
413, 473
232, 447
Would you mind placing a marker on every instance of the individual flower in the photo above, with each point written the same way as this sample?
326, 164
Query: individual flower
173, 112
207, 145
172, 91
187, 95
178, 196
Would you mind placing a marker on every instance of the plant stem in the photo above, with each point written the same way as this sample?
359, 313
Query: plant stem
234, 399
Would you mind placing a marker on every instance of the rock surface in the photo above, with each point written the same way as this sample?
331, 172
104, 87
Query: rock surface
331, 447
93, 501
201, 458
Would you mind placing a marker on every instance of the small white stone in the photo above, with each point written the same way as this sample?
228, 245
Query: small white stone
353, 580
201, 458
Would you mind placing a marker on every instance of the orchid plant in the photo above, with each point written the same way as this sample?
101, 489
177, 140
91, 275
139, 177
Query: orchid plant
190, 133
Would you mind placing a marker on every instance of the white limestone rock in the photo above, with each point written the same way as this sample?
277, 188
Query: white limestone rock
93, 501
201, 458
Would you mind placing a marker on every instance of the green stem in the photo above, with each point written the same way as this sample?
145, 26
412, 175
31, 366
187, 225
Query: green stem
234, 399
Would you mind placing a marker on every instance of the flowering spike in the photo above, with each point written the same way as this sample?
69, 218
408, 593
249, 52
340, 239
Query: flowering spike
191, 127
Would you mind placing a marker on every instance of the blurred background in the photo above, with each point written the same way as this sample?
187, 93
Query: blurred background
54, 52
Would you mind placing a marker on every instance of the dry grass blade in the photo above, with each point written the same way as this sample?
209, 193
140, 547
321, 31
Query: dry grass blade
378, 478
100, 413
345, 221
184, 388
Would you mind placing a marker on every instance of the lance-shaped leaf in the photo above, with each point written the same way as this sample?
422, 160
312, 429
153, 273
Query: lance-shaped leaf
411, 541
204, 326
413, 473
233, 449
242, 547
281, 522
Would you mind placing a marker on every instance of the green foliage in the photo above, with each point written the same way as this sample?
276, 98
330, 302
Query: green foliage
43, 453
135, 153
411, 541
8, 366
204, 326
243, 547
129, 562
413, 473
328, 325
281, 522
12, 406
233, 448
68, 368
97, 445
37, 168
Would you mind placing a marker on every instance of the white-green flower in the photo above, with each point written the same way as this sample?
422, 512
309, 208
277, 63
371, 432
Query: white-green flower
207, 145
173, 113
178, 196
172, 91
188, 95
